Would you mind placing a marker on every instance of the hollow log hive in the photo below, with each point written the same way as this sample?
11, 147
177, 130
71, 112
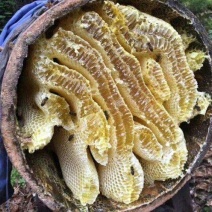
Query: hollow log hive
108, 90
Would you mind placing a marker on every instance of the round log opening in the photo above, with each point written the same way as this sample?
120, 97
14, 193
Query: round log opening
41, 169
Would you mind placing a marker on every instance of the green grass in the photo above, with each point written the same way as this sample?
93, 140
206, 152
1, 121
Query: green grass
207, 209
17, 179
203, 10
198, 6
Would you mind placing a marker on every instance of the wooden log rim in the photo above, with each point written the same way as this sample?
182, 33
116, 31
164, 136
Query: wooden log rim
45, 180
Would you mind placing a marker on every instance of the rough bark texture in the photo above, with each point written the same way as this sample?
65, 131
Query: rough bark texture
201, 188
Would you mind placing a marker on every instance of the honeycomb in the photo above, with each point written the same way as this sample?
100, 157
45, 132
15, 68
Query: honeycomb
107, 91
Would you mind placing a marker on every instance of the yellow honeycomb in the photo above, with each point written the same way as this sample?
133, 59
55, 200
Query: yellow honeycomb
108, 90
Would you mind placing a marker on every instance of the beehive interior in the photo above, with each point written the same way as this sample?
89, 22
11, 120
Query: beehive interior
106, 92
